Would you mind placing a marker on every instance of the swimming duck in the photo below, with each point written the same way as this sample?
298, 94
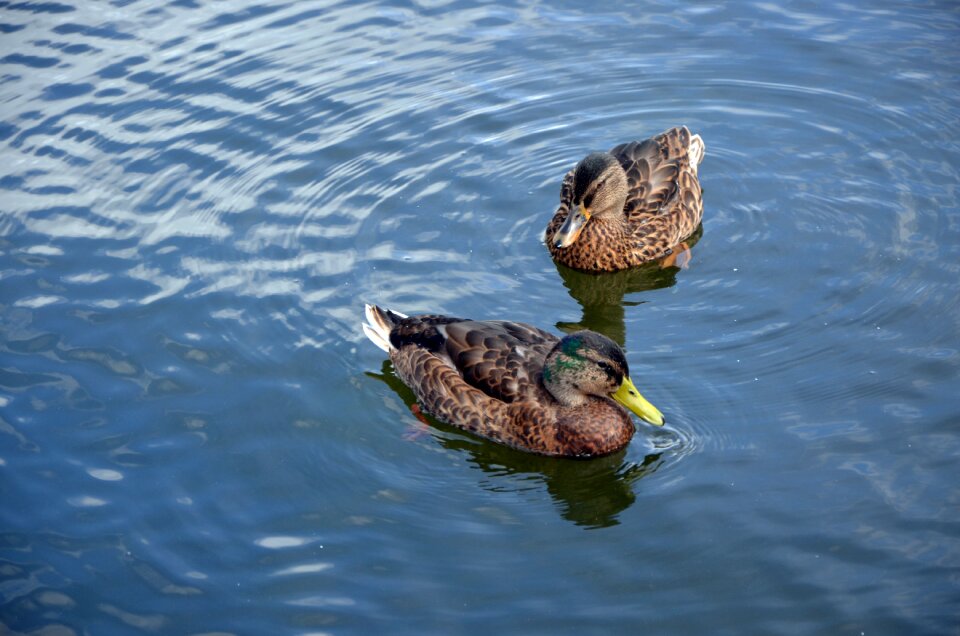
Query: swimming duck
514, 383
631, 205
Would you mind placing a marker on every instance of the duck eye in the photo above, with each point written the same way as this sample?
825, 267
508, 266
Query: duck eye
603, 365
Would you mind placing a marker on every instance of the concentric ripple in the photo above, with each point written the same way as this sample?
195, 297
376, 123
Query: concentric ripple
198, 198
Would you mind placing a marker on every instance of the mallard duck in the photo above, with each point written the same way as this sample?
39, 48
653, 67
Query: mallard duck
631, 205
514, 383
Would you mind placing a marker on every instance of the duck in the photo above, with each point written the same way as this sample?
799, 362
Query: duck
629, 206
513, 383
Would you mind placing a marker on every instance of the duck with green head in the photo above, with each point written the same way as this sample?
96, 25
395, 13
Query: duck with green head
629, 206
514, 383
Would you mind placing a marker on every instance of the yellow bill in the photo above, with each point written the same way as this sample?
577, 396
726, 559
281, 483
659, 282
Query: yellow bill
628, 395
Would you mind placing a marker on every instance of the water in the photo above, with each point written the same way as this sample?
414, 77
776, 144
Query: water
197, 198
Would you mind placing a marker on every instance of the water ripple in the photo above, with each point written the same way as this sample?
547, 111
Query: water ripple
198, 198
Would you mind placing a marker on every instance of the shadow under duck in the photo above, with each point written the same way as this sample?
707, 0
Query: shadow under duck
588, 493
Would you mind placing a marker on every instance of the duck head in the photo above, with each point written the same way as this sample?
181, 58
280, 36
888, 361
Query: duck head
586, 363
599, 190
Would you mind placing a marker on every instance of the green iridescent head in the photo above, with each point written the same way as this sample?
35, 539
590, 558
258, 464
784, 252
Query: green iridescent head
587, 363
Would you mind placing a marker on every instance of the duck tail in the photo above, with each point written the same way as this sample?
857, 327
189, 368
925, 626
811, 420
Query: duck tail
379, 324
696, 150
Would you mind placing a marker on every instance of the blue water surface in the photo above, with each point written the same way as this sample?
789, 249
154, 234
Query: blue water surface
196, 199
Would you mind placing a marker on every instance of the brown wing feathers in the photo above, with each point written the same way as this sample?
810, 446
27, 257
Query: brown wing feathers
419, 330
652, 169
499, 358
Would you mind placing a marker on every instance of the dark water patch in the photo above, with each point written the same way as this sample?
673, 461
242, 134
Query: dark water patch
121, 68
107, 31
32, 61
39, 7
67, 91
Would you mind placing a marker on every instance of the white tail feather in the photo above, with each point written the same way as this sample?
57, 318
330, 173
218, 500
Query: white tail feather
695, 151
378, 329
376, 338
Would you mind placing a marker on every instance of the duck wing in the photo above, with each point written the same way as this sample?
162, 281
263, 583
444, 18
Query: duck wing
655, 169
500, 358
503, 359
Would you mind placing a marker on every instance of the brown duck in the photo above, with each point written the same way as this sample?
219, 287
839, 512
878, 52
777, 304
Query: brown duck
631, 205
513, 383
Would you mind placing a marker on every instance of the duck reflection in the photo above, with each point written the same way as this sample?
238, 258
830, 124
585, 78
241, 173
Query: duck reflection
590, 493
601, 295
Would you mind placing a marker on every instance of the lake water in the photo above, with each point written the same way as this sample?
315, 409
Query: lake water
196, 199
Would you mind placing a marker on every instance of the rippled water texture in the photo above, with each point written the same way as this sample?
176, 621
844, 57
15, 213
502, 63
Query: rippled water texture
197, 198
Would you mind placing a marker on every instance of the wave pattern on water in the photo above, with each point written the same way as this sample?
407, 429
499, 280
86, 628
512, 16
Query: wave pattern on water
198, 198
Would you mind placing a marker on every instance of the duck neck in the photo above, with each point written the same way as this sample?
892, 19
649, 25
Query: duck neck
611, 197
558, 378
